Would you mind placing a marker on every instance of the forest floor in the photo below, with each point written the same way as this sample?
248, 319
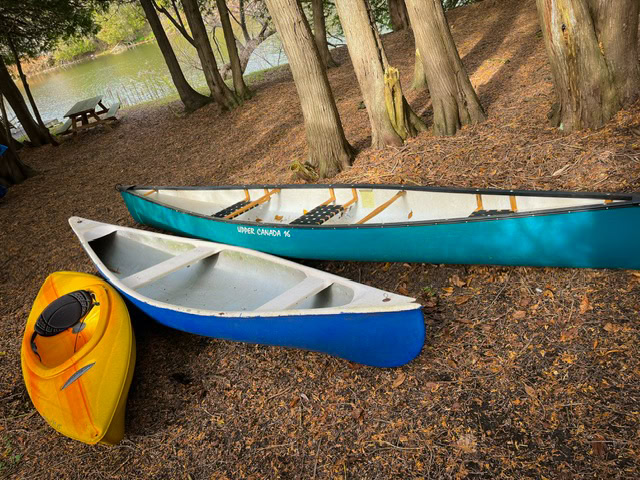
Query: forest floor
525, 372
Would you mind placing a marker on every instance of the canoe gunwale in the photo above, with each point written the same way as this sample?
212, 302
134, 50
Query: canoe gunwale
410, 304
627, 200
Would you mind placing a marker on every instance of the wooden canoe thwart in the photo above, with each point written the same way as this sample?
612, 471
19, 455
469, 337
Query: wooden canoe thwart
238, 294
403, 223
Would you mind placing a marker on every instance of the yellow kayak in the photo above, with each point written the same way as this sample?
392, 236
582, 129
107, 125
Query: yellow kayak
78, 354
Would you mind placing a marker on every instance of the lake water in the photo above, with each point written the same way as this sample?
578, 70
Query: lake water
136, 75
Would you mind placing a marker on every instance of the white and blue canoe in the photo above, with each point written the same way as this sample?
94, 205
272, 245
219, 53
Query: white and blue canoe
238, 294
398, 223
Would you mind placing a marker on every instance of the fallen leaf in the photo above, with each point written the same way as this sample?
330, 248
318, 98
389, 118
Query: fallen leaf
386, 267
467, 443
455, 280
294, 402
399, 380
530, 391
560, 171
448, 290
612, 327
598, 446
357, 413
433, 386
584, 305
304, 397
278, 217
518, 314
462, 299
402, 291
410, 214
548, 293
258, 220
569, 334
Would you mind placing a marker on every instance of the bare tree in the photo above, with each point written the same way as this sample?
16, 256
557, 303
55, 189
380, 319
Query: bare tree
37, 135
593, 52
392, 119
398, 14
454, 100
12, 170
234, 59
320, 33
220, 92
329, 151
27, 90
191, 99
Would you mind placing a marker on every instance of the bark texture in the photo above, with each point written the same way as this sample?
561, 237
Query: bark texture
12, 170
27, 90
219, 90
191, 99
370, 62
320, 33
454, 100
37, 136
242, 91
245, 51
329, 151
398, 14
419, 78
593, 52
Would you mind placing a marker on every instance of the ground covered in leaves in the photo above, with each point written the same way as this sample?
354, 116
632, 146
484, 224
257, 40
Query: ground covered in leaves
525, 372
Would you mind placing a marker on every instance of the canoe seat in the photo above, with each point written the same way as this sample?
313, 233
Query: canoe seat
162, 269
229, 210
318, 215
307, 288
484, 213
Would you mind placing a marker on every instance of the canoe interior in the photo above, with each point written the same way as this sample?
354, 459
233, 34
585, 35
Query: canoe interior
228, 280
288, 204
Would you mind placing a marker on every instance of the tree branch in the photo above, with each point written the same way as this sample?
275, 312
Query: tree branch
179, 26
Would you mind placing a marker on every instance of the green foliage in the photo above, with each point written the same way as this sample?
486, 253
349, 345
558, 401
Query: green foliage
121, 23
73, 48
36, 26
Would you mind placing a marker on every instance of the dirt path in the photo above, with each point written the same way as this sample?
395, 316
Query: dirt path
526, 372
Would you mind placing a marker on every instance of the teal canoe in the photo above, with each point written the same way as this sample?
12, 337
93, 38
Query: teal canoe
390, 223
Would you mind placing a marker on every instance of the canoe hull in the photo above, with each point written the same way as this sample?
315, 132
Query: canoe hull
599, 238
377, 339
84, 396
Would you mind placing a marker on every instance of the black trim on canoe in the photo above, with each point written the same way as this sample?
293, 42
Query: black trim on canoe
628, 200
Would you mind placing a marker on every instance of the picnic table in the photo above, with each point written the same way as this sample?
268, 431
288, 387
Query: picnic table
86, 110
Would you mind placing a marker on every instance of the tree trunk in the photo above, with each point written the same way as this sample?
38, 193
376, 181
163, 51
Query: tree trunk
27, 90
230, 39
329, 150
370, 62
419, 78
219, 90
245, 51
454, 100
398, 14
7, 86
191, 99
320, 33
593, 51
12, 170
